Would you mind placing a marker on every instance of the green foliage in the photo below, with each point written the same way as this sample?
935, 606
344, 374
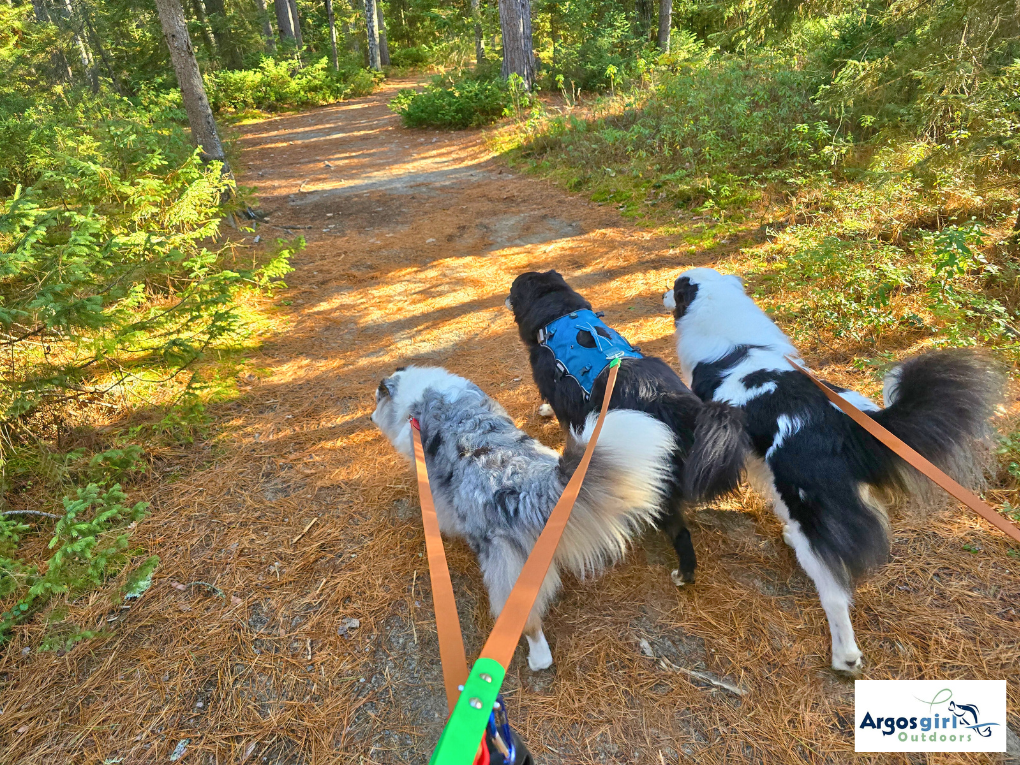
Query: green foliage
411, 57
702, 133
278, 84
468, 99
89, 544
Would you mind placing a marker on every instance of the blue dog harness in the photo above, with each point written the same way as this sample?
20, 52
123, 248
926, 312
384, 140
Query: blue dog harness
584, 365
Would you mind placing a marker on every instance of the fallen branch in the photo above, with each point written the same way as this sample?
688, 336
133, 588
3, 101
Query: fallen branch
30, 512
666, 664
305, 530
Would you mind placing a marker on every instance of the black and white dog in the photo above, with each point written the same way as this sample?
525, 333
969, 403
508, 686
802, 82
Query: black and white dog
711, 444
823, 472
495, 486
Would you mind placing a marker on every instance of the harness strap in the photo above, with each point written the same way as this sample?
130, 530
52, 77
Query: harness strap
914, 459
451, 642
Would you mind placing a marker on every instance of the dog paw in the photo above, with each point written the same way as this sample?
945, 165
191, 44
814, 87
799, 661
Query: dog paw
681, 579
537, 661
545, 411
850, 664
788, 537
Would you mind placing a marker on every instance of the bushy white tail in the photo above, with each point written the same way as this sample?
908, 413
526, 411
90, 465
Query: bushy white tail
625, 485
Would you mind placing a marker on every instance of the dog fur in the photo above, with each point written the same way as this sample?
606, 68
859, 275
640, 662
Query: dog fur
711, 445
495, 486
824, 473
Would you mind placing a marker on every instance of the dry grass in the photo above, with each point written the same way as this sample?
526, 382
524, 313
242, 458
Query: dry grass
261, 673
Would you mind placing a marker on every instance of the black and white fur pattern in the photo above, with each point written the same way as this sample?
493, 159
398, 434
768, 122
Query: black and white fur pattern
495, 486
711, 444
824, 473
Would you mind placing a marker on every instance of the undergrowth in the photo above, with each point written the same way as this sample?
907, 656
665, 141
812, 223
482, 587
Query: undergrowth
276, 85
116, 286
469, 98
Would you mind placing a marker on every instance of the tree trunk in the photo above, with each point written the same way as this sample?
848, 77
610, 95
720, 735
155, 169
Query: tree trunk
476, 15
83, 50
189, 78
374, 60
198, 8
384, 48
665, 24
518, 57
332, 35
351, 36
296, 21
643, 17
98, 45
58, 61
282, 8
267, 27
229, 53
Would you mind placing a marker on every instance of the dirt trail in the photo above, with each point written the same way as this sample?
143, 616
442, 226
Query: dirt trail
321, 648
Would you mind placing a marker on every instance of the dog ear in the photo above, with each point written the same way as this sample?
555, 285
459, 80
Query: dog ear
684, 292
738, 280
383, 390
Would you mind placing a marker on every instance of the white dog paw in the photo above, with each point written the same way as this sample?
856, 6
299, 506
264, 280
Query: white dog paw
849, 662
679, 579
788, 537
545, 411
538, 661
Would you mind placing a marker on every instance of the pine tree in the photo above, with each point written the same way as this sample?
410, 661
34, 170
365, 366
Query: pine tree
518, 56
189, 79
665, 24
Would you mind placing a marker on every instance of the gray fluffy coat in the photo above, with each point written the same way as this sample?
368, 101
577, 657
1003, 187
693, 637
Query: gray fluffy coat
495, 486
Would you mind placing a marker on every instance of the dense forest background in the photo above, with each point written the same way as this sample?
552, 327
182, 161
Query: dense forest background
877, 141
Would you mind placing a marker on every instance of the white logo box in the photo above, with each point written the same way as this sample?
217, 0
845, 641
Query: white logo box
930, 716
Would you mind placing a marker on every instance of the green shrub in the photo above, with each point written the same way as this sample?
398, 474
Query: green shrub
89, 544
113, 282
467, 100
279, 84
409, 58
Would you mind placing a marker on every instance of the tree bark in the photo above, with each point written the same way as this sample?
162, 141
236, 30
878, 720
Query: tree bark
198, 8
57, 58
296, 21
83, 50
229, 53
374, 59
476, 15
518, 56
384, 48
332, 35
267, 27
351, 36
665, 24
643, 17
93, 36
282, 8
189, 78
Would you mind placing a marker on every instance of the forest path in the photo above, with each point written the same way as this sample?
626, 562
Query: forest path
290, 620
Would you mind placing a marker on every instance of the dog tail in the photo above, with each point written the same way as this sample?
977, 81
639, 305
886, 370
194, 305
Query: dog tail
940, 404
716, 460
627, 480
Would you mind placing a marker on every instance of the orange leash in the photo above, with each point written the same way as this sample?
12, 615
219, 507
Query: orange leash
451, 642
511, 620
914, 459
509, 625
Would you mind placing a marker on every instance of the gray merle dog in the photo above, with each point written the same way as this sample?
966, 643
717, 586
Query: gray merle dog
495, 486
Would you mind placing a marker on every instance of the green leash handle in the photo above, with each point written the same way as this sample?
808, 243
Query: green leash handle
463, 733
